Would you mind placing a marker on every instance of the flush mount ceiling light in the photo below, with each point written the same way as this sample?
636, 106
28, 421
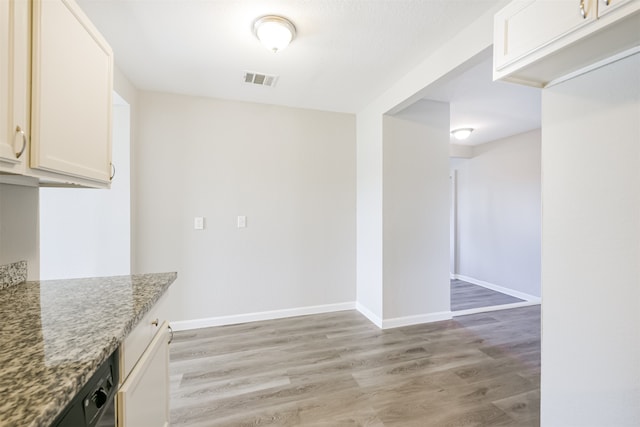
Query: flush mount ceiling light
275, 32
461, 134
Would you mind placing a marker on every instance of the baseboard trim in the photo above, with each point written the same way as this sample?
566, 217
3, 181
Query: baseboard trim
369, 315
184, 325
415, 320
494, 308
517, 294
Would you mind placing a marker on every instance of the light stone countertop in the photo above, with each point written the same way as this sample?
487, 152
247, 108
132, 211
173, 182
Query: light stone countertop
13, 274
54, 335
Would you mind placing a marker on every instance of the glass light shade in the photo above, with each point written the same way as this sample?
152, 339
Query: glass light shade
461, 134
274, 32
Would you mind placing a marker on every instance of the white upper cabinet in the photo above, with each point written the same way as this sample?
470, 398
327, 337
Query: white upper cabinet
529, 25
606, 6
539, 41
72, 80
14, 85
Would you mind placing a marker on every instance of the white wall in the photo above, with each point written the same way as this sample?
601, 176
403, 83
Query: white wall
19, 227
416, 214
369, 217
499, 213
591, 249
129, 94
464, 50
87, 232
291, 172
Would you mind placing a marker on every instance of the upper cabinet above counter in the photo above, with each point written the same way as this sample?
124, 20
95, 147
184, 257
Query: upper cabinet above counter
56, 82
538, 42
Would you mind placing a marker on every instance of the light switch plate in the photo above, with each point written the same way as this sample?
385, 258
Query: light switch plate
242, 221
198, 223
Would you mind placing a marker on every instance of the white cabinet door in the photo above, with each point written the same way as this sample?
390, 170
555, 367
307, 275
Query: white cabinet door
14, 90
72, 79
542, 42
143, 399
606, 6
523, 27
140, 337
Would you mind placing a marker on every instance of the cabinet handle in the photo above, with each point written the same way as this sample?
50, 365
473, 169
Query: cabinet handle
154, 322
24, 141
583, 12
607, 2
170, 332
113, 173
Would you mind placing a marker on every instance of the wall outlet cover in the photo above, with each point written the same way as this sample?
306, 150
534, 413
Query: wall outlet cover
198, 223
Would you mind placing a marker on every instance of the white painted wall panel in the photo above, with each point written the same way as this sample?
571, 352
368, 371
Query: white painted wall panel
291, 172
499, 213
473, 42
87, 232
369, 214
416, 211
19, 227
591, 249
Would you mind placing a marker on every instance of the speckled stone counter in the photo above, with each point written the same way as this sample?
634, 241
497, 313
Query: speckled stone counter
13, 274
55, 334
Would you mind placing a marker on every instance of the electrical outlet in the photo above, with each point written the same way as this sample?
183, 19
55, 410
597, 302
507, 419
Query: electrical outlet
198, 223
242, 221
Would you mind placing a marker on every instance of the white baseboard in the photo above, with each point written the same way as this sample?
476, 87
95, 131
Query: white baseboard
524, 296
397, 322
402, 321
184, 325
415, 320
494, 308
369, 315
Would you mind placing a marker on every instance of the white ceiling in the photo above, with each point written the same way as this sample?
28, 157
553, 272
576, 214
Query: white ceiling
346, 52
494, 109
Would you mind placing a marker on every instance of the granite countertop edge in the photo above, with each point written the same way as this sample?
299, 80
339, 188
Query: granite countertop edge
154, 284
13, 274
150, 302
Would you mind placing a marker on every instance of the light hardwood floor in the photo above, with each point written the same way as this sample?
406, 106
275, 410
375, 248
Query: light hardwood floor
465, 295
338, 369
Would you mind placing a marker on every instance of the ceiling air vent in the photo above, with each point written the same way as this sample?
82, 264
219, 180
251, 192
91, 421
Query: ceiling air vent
260, 79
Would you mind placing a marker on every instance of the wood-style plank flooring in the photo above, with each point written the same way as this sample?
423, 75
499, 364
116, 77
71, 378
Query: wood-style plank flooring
338, 369
465, 295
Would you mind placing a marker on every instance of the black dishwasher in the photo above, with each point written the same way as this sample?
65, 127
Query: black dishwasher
93, 406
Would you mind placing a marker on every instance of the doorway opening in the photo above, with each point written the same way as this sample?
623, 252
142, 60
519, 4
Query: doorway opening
495, 188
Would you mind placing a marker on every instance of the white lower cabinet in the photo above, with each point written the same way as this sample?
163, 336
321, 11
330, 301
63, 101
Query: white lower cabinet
143, 398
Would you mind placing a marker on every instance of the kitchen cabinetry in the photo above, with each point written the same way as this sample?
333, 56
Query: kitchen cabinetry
606, 6
70, 70
537, 42
14, 89
143, 397
72, 75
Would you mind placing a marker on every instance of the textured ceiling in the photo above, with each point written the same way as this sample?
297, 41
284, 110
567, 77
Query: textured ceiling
345, 54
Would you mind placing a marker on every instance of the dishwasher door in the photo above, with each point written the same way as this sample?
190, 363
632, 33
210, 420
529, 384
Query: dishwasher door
93, 406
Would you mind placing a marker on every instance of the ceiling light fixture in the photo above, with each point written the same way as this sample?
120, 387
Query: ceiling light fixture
275, 32
461, 134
